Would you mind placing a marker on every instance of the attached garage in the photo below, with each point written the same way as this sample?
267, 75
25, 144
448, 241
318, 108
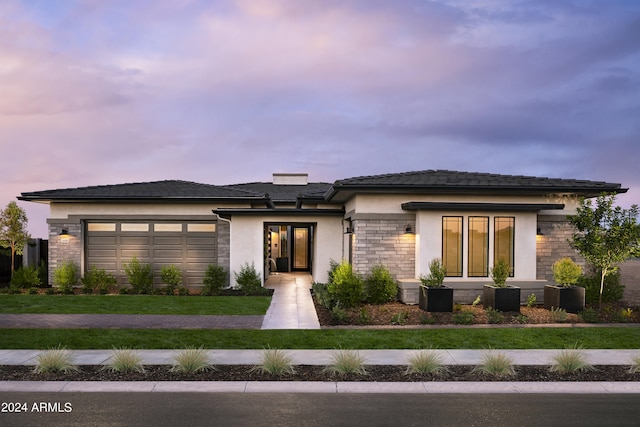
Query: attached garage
192, 246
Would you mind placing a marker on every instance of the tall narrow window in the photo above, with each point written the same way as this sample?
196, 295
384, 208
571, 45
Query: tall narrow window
452, 245
504, 238
478, 246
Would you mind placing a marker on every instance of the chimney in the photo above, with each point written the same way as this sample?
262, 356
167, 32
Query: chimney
290, 178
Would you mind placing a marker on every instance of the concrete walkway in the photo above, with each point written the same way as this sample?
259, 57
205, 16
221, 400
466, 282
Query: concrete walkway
291, 305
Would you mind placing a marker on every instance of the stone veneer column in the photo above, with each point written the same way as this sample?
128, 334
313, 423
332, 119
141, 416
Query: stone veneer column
553, 244
383, 241
64, 248
224, 246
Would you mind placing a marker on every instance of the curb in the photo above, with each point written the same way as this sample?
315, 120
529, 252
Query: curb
245, 387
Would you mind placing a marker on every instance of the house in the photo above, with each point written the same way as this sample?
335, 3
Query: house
402, 220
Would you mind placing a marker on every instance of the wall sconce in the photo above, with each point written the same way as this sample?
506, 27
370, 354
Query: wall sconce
409, 229
539, 232
349, 230
64, 232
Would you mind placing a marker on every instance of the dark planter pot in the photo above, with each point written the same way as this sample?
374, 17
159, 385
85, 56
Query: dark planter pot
436, 299
570, 299
501, 299
282, 264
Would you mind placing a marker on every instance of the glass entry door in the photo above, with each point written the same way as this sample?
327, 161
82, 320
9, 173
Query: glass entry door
301, 248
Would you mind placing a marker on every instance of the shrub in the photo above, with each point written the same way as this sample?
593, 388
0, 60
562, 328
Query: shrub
613, 289
124, 360
333, 265
65, 277
400, 318
558, 315
346, 287
531, 300
171, 275
569, 361
339, 315
43, 273
275, 362
635, 365
380, 287
364, 318
589, 315
463, 318
494, 316
437, 273
321, 294
566, 272
140, 276
25, 277
500, 272
191, 360
248, 280
97, 279
496, 364
426, 362
346, 362
215, 279
55, 360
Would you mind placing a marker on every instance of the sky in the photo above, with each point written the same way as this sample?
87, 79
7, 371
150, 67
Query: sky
97, 92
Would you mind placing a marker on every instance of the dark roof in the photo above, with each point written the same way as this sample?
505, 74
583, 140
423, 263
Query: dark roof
439, 181
285, 193
157, 190
424, 182
492, 207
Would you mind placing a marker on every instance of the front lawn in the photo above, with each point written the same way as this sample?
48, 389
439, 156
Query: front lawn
134, 304
497, 338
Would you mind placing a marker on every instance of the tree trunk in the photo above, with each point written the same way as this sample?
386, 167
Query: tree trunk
604, 274
13, 258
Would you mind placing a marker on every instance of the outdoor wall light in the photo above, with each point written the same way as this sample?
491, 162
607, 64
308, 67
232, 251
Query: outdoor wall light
409, 229
64, 232
349, 230
539, 232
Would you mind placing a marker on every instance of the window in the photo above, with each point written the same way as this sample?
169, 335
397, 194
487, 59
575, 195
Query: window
167, 227
503, 240
452, 245
478, 246
101, 226
202, 228
134, 226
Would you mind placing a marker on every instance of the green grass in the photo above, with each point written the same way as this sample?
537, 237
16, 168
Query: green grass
507, 338
133, 304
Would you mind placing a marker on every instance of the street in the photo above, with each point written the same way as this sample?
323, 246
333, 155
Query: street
204, 409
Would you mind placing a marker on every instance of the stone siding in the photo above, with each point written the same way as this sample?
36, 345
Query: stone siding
224, 247
553, 244
64, 248
383, 241
630, 278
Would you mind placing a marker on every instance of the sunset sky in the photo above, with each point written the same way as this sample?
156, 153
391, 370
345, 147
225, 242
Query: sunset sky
104, 92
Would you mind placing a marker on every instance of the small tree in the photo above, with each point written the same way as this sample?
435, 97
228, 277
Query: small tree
605, 235
140, 276
13, 230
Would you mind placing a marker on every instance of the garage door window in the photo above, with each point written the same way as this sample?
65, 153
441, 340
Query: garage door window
101, 226
134, 227
201, 228
167, 227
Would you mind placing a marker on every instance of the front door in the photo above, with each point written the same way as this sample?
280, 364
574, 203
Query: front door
301, 248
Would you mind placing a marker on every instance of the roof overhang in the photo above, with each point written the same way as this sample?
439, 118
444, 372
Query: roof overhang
491, 207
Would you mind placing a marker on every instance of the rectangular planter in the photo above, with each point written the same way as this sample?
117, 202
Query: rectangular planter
570, 299
436, 299
502, 299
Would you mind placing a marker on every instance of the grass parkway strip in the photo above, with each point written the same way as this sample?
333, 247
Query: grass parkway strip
497, 338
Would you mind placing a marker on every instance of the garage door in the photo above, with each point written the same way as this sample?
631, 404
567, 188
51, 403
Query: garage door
192, 246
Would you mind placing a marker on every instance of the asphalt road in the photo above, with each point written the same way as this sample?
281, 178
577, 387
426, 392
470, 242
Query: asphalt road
216, 409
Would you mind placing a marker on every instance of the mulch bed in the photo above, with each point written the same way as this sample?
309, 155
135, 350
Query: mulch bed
375, 373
